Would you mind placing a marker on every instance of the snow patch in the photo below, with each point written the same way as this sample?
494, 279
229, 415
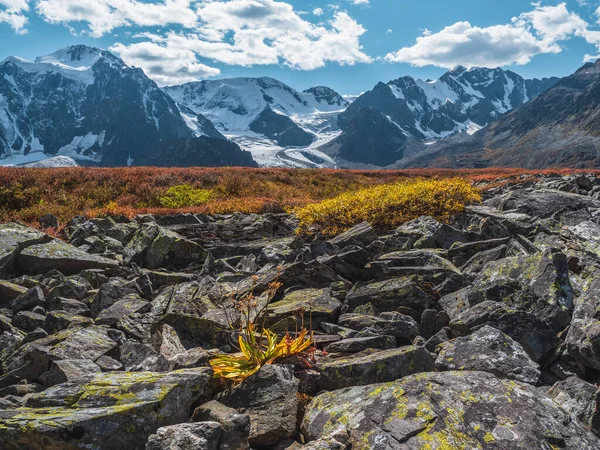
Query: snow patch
57, 161
80, 144
85, 76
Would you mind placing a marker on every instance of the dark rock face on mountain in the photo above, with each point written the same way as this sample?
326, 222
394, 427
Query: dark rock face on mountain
281, 129
324, 95
85, 103
370, 138
477, 333
461, 100
558, 128
202, 151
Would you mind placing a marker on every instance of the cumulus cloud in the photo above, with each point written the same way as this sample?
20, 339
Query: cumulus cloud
201, 33
103, 16
12, 12
532, 33
166, 66
248, 33
360, 2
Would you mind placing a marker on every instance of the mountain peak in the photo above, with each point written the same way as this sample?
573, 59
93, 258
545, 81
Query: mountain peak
456, 70
78, 57
591, 68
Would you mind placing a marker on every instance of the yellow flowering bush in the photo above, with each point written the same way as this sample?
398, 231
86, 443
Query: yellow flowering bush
388, 206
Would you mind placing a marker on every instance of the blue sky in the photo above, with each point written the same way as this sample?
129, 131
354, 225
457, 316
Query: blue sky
347, 46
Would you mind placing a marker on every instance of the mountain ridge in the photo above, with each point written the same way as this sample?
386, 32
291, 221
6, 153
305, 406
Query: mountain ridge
558, 128
86, 103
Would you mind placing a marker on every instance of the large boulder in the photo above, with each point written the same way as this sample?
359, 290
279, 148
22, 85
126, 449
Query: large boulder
65, 370
186, 436
426, 232
104, 411
318, 303
536, 336
129, 305
362, 235
189, 309
404, 328
58, 255
375, 366
583, 338
236, 426
580, 398
538, 283
389, 295
9, 291
33, 359
541, 202
154, 247
269, 397
488, 350
13, 239
449, 410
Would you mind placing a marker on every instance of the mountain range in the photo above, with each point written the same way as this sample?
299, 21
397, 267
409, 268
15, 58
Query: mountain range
84, 105
87, 104
558, 128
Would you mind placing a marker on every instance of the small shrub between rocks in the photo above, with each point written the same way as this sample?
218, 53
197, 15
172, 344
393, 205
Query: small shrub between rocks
258, 345
185, 196
388, 206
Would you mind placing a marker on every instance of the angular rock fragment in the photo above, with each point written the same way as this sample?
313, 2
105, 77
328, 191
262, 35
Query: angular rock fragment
57, 255
488, 350
77, 414
445, 410
375, 366
269, 398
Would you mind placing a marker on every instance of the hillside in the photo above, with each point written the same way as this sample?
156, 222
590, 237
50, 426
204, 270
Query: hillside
421, 333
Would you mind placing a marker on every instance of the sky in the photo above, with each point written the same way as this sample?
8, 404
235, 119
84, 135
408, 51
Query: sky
349, 45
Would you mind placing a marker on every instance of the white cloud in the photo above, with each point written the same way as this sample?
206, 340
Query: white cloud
235, 32
360, 2
12, 12
165, 65
103, 16
252, 32
532, 33
552, 23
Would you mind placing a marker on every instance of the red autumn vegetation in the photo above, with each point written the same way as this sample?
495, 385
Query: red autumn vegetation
28, 194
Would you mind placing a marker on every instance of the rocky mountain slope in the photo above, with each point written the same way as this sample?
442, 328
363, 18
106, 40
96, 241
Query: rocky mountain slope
371, 139
460, 101
264, 115
479, 333
87, 104
558, 128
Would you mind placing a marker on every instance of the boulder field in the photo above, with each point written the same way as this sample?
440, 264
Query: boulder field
480, 333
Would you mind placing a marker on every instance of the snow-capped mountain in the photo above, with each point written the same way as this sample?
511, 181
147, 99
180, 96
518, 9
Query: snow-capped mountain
266, 117
460, 100
558, 128
87, 104
325, 98
233, 104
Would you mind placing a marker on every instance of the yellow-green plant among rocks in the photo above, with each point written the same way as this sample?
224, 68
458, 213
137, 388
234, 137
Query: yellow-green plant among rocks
258, 345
